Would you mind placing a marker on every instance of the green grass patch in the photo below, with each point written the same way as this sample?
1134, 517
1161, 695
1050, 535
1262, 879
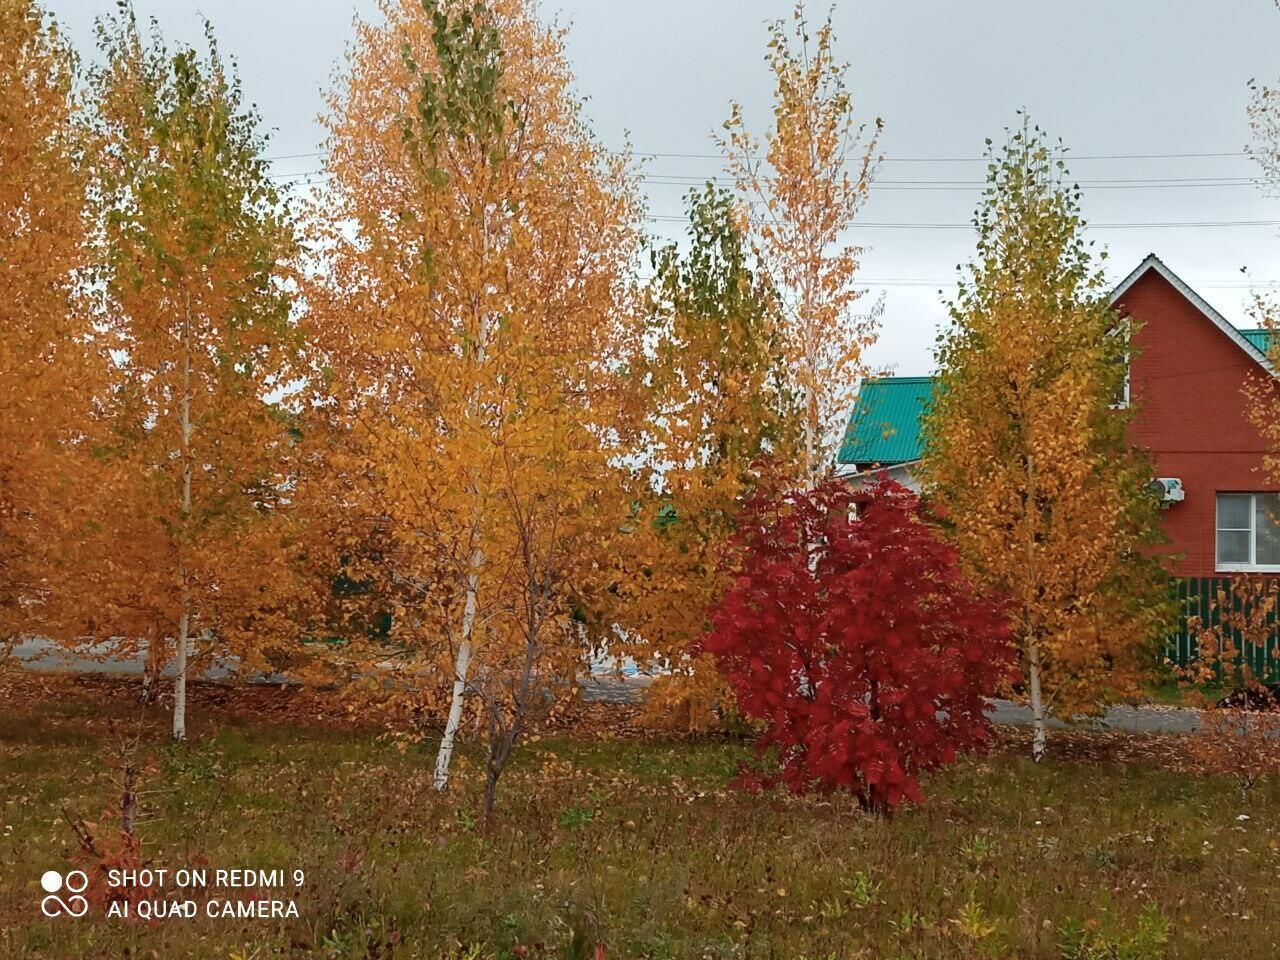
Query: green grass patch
644, 847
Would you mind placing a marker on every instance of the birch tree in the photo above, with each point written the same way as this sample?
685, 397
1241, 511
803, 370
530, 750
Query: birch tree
474, 235
1261, 391
801, 190
188, 545
566, 504
48, 376
768, 371
716, 402
1026, 457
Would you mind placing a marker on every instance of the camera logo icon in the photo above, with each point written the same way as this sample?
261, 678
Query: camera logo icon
75, 883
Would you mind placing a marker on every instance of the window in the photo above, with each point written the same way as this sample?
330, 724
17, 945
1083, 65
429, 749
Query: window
1121, 399
1249, 531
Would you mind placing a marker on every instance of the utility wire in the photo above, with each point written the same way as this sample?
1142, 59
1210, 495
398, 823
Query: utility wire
293, 156
924, 225
939, 282
1155, 225
317, 176
971, 185
890, 159
678, 180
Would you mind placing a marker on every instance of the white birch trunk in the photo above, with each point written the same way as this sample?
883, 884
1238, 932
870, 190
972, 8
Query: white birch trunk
475, 561
1032, 638
810, 401
461, 666
184, 616
1037, 701
180, 681
811, 413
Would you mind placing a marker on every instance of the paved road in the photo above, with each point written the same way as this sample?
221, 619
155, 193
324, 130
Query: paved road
36, 653
599, 688
1126, 719
609, 689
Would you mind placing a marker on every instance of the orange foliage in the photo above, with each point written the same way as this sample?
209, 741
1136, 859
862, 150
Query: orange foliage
183, 539
1027, 458
714, 403
800, 194
758, 352
1241, 735
47, 373
467, 306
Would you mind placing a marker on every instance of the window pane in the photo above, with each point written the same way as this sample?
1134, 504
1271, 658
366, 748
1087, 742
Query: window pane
1233, 546
1268, 528
1233, 511
1121, 399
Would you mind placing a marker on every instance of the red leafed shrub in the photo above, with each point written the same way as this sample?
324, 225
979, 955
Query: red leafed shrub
857, 642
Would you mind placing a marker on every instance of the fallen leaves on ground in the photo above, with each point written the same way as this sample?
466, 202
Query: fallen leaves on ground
295, 705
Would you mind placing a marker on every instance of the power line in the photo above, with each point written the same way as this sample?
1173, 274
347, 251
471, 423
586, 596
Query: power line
673, 180
941, 282
680, 180
640, 154
1115, 183
1154, 225
293, 156
303, 174
980, 183
312, 176
891, 159
319, 176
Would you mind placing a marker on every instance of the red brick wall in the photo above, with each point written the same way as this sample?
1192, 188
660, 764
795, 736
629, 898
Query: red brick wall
1186, 384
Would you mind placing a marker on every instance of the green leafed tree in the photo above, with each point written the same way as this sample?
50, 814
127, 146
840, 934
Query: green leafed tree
716, 401
187, 553
1027, 459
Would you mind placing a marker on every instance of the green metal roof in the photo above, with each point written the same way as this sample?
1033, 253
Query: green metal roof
885, 425
1262, 339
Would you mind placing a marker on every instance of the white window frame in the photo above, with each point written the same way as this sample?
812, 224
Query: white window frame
1251, 566
1123, 402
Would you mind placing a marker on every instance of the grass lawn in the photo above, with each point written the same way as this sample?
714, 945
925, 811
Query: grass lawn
637, 843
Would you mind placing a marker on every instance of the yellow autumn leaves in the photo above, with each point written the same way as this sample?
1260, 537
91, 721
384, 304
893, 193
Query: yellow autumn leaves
425, 431
1026, 457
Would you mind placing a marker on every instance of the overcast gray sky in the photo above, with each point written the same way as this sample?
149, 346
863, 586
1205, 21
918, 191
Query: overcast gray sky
1110, 77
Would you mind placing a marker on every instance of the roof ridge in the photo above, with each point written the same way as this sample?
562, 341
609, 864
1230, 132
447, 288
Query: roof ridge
1234, 333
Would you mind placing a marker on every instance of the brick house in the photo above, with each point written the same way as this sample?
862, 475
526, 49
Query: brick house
1186, 381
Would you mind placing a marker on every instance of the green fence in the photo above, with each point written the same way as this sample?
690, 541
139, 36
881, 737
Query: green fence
1196, 598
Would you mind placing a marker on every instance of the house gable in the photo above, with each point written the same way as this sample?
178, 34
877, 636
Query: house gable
1250, 341
1187, 377
1187, 382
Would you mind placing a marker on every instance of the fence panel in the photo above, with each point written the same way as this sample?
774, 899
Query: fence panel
1195, 598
